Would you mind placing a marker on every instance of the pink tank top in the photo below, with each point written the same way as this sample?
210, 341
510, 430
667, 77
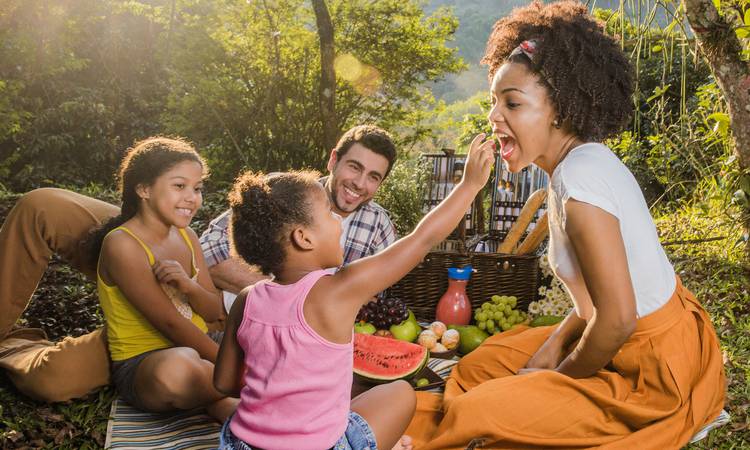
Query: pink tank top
297, 384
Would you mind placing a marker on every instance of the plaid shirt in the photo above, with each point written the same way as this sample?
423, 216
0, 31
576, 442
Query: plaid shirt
369, 232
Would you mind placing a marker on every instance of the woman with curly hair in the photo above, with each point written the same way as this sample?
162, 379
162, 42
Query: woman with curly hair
637, 363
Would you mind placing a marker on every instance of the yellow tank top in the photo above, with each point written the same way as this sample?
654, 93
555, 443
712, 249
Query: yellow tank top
128, 332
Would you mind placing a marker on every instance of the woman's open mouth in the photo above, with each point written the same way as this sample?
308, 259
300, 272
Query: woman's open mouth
507, 145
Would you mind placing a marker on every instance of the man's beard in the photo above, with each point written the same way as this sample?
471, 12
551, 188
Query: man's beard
344, 208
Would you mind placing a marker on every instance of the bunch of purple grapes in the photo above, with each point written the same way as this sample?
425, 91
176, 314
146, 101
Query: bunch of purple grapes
384, 312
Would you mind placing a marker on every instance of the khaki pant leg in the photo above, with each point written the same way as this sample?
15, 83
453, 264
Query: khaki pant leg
43, 222
55, 372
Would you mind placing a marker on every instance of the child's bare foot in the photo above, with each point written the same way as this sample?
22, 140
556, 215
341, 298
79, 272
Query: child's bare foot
403, 444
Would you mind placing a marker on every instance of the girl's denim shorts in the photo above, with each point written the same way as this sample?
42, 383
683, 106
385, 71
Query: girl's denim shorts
358, 436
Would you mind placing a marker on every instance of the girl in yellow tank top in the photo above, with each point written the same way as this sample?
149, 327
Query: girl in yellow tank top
154, 288
130, 334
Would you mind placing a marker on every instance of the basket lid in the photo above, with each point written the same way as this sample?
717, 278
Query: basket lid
460, 273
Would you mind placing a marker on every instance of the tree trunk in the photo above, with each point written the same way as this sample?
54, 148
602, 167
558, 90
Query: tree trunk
722, 49
327, 94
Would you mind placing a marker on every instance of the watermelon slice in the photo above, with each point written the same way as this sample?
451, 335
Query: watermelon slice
381, 360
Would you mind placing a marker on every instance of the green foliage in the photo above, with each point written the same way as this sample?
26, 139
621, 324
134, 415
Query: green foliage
474, 124
717, 273
402, 193
737, 13
80, 81
251, 75
671, 161
446, 121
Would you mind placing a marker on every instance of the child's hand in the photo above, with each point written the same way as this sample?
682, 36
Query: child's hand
171, 272
479, 163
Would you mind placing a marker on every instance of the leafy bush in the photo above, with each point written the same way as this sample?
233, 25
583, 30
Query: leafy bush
402, 193
81, 80
78, 84
670, 162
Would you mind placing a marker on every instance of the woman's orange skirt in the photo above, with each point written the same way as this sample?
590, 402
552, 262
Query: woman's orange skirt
667, 382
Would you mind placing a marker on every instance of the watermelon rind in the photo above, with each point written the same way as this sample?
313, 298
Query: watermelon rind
369, 347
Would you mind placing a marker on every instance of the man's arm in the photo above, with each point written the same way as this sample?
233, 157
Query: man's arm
233, 275
228, 273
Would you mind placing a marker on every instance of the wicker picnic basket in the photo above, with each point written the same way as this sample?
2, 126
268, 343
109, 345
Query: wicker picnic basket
496, 274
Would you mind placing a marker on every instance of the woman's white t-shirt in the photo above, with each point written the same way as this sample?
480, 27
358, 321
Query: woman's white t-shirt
592, 173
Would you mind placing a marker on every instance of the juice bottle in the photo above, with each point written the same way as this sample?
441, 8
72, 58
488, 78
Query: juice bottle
454, 307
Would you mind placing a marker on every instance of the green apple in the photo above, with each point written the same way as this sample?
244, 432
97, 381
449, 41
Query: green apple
364, 328
470, 337
406, 331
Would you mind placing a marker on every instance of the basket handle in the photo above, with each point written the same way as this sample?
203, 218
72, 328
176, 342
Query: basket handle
471, 243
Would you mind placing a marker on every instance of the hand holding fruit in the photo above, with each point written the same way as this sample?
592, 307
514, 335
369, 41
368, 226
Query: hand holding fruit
171, 272
479, 163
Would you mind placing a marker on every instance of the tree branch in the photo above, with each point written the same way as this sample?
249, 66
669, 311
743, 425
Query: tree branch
327, 93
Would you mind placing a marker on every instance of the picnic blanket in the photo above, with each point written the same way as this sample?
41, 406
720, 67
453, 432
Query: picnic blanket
129, 428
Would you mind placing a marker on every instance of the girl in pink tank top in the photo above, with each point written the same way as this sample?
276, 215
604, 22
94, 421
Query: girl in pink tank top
287, 351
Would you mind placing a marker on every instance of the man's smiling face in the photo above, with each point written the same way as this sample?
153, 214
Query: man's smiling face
354, 178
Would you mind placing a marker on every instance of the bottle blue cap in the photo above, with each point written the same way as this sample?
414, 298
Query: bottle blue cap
458, 273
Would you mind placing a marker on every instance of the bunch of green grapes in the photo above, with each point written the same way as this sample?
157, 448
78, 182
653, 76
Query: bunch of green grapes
499, 314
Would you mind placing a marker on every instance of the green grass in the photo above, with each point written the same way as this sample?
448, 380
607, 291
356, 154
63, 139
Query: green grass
65, 304
720, 278
714, 271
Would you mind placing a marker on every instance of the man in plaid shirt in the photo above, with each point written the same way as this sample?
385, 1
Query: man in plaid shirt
358, 164
47, 221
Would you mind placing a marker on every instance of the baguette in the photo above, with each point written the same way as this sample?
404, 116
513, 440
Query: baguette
535, 238
535, 201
